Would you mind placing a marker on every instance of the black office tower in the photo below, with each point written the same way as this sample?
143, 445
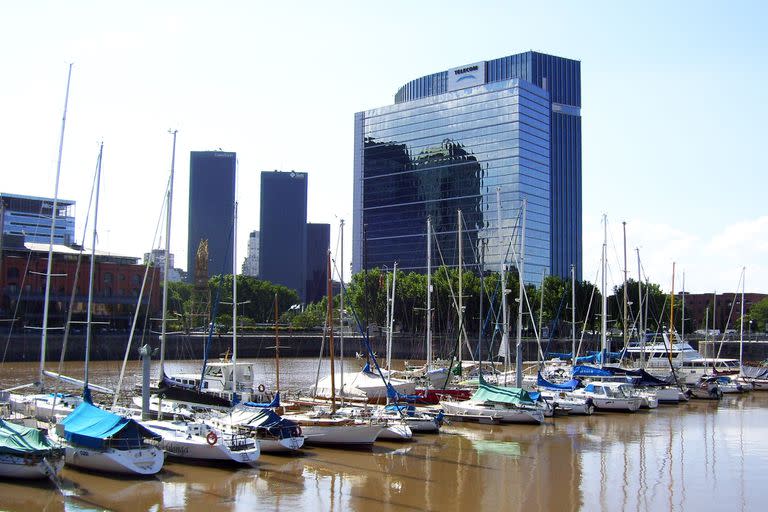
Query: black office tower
283, 229
211, 204
318, 242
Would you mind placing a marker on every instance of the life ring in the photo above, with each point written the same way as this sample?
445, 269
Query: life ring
211, 438
261, 388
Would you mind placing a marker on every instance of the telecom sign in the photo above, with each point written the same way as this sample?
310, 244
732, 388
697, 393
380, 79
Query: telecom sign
466, 76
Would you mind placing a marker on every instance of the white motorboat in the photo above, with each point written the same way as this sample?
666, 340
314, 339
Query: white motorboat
566, 401
196, 440
609, 396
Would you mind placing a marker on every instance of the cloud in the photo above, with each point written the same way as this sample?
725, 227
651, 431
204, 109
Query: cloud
709, 261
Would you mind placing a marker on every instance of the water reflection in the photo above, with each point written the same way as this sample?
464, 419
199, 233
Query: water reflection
673, 458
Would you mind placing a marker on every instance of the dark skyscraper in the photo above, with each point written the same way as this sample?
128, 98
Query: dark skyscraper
283, 229
318, 241
449, 142
211, 204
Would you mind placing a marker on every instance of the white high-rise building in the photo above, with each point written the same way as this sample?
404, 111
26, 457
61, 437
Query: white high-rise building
251, 263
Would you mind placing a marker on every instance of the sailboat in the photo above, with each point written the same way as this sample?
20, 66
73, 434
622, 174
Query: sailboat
27, 453
47, 406
97, 439
195, 439
324, 426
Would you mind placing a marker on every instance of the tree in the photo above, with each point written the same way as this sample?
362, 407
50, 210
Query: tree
759, 314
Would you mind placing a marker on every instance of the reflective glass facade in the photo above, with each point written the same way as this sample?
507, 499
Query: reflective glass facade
30, 217
441, 148
283, 229
211, 209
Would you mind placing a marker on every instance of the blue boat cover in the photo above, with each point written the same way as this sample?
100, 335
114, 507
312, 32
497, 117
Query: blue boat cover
274, 403
566, 386
590, 371
93, 427
559, 355
274, 423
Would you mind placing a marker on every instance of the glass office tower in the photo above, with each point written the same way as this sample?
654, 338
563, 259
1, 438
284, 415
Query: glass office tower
451, 139
211, 209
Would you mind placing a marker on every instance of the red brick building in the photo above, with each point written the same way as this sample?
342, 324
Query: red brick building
727, 305
116, 287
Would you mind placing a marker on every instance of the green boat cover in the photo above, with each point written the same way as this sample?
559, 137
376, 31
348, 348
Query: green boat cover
20, 440
490, 393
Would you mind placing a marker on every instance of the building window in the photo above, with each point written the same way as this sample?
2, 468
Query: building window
12, 273
135, 279
108, 277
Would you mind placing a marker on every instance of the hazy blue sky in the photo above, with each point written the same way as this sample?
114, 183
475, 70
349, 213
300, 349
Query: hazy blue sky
673, 110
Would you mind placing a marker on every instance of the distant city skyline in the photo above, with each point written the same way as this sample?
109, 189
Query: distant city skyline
672, 105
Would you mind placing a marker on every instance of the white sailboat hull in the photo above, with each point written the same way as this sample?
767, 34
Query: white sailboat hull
147, 460
341, 435
499, 414
178, 442
396, 431
14, 466
285, 445
670, 395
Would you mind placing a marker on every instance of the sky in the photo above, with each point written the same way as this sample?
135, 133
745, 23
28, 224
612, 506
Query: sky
673, 111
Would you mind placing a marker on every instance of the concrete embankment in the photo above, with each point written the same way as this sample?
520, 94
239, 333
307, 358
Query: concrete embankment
106, 347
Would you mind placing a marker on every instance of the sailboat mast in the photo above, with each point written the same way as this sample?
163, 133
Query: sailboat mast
169, 204
604, 303
49, 265
461, 283
682, 327
502, 277
521, 279
671, 318
741, 327
624, 318
640, 327
341, 305
234, 302
573, 315
88, 329
277, 351
392, 317
330, 336
429, 295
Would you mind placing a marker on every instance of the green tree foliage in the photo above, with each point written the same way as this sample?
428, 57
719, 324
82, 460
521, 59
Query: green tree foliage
658, 306
759, 314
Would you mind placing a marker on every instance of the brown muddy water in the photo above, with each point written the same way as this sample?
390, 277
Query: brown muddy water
698, 456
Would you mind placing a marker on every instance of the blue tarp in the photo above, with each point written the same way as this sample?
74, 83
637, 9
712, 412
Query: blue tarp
559, 355
274, 403
567, 386
590, 371
274, 423
93, 427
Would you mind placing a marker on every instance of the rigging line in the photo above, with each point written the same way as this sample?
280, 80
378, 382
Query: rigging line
21, 290
450, 288
74, 282
163, 209
728, 321
586, 318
